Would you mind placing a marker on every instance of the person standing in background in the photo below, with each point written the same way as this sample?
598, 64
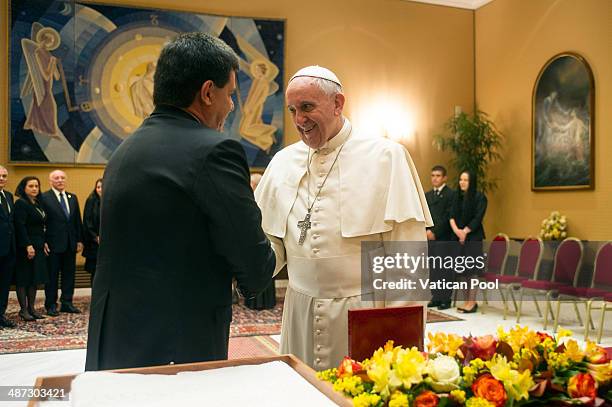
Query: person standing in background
440, 200
31, 267
91, 229
7, 247
64, 238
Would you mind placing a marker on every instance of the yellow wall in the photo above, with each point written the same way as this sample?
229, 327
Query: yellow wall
415, 57
514, 39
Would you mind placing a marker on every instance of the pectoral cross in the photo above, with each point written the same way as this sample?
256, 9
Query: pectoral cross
304, 225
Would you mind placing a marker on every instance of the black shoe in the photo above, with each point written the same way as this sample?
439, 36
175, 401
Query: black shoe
25, 315
52, 311
468, 311
444, 305
69, 308
6, 323
432, 304
36, 315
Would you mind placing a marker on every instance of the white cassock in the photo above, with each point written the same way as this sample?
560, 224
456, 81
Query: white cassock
373, 193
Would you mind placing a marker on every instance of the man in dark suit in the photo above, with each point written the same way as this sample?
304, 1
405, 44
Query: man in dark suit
440, 201
178, 221
7, 247
64, 238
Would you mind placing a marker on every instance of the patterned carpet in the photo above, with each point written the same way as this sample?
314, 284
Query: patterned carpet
69, 331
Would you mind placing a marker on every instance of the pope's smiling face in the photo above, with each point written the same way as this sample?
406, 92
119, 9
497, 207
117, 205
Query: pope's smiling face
316, 115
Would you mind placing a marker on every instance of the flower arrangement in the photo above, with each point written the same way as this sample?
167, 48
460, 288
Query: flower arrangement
519, 367
554, 227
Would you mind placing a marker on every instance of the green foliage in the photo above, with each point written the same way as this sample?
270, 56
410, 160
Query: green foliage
475, 143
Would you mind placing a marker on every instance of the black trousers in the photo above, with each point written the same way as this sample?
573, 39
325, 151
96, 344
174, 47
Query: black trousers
437, 272
64, 264
7, 268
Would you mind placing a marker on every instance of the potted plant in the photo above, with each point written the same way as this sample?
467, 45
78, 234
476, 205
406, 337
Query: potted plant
475, 143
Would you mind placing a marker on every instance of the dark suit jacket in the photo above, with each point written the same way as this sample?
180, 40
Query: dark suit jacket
63, 233
440, 208
470, 214
7, 228
29, 225
178, 221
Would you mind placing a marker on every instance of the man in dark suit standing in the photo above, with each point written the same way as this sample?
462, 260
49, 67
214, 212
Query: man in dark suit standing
64, 237
178, 221
440, 201
7, 247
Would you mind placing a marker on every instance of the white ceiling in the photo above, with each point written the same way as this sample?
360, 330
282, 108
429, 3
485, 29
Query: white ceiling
469, 4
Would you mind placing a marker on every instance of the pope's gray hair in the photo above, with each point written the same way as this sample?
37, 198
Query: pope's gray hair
328, 87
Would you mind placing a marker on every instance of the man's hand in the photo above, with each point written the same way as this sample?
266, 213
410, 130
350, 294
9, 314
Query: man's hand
46, 248
31, 252
430, 235
79, 247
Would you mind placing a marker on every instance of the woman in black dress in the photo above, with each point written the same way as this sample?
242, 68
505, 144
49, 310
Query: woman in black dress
31, 263
91, 226
466, 217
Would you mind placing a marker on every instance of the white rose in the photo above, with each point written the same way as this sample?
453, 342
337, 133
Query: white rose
444, 373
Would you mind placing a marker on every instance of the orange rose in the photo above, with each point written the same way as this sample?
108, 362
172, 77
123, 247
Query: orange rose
348, 367
582, 385
483, 347
426, 399
490, 389
597, 355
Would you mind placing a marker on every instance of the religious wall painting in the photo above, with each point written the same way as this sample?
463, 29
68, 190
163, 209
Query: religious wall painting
81, 78
563, 124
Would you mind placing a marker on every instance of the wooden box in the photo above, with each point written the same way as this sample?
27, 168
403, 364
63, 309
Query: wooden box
64, 382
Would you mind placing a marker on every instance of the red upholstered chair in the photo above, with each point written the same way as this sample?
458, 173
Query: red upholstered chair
496, 264
600, 290
527, 268
565, 274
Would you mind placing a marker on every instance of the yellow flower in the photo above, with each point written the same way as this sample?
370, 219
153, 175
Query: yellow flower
478, 402
458, 396
517, 384
558, 360
379, 374
398, 399
563, 333
410, 367
522, 337
447, 344
366, 400
471, 371
329, 375
572, 351
350, 385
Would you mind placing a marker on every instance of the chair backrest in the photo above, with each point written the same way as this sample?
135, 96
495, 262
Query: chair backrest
602, 274
567, 261
498, 254
529, 258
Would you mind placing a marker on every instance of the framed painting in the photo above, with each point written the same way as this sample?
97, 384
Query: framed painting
563, 147
81, 78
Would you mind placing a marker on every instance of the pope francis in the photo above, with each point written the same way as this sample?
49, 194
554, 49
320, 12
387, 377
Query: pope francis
320, 198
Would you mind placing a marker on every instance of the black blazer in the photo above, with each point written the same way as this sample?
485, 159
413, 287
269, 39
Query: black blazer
63, 233
470, 214
440, 208
91, 226
29, 225
7, 228
178, 222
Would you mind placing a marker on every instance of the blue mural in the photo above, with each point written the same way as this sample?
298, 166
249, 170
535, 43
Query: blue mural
81, 78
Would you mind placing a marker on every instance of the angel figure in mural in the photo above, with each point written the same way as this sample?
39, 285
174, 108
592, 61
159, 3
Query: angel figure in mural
42, 71
575, 135
141, 92
262, 72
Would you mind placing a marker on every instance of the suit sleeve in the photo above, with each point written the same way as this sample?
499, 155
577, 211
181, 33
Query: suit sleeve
20, 217
225, 193
479, 213
78, 221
